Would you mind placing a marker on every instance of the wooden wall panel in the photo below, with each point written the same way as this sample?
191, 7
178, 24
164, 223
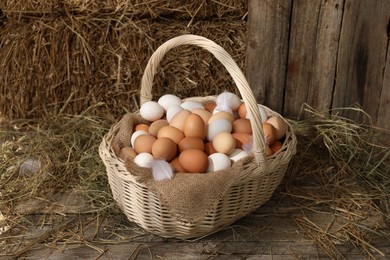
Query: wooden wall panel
326, 46
337, 56
383, 119
362, 55
300, 59
268, 32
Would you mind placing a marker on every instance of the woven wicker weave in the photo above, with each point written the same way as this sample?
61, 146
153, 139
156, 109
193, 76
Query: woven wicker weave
258, 176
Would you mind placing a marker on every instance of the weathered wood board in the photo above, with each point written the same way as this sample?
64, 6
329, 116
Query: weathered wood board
273, 231
268, 31
328, 54
362, 56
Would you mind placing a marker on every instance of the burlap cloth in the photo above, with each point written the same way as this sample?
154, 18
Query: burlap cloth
187, 196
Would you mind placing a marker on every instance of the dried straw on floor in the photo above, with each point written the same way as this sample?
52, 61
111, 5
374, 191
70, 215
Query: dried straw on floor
340, 172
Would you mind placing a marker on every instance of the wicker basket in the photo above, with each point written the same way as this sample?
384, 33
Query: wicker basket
259, 176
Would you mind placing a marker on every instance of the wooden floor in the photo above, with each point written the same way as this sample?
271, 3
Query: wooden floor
274, 231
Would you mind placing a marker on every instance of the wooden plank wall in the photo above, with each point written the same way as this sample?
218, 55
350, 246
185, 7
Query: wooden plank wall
328, 54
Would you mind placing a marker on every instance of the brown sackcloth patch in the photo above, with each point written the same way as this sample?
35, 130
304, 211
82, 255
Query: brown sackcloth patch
126, 125
187, 196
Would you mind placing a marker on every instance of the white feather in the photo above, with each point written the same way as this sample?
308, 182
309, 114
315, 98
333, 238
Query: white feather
161, 170
248, 147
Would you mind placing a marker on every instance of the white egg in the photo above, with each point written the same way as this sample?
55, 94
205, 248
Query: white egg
229, 99
237, 154
262, 112
218, 126
151, 111
169, 100
191, 105
135, 135
172, 111
144, 160
218, 161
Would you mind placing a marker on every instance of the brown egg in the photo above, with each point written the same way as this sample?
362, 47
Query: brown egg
144, 143
241, 139
276, 146
176, 166
171, 132
127, 153
144, 127
164, 149
280, 126
209, 106
191, 143
179, 119
204, 114
194, 161
209, 148
224, 143
242, 125
194, 127
156, 126
269, 151
269, 133
242, 111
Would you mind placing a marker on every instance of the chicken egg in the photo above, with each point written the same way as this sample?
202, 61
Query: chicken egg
218, 126
164, 149
218, 162
224, 142
191, 143
168, 100
269, 151
203, 113
171, 132
194, 126
191, 105
144, 160
144, 127
221, 114
242, 112
269, 133
209, 106
135, 135
172, 111
242, 139
242, 125
127, 153
280, 126
144, 143
194, 161
179, 119
176, 166
151, 111
209, 148
276, 146
228, 99
156, 126
237, 154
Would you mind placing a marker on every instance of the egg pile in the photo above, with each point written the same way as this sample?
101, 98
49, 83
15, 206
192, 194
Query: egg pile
199, 137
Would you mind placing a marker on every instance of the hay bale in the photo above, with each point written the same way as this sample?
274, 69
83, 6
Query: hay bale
64, 64
136, 8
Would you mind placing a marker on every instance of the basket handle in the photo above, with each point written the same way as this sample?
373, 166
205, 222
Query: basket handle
259, 147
